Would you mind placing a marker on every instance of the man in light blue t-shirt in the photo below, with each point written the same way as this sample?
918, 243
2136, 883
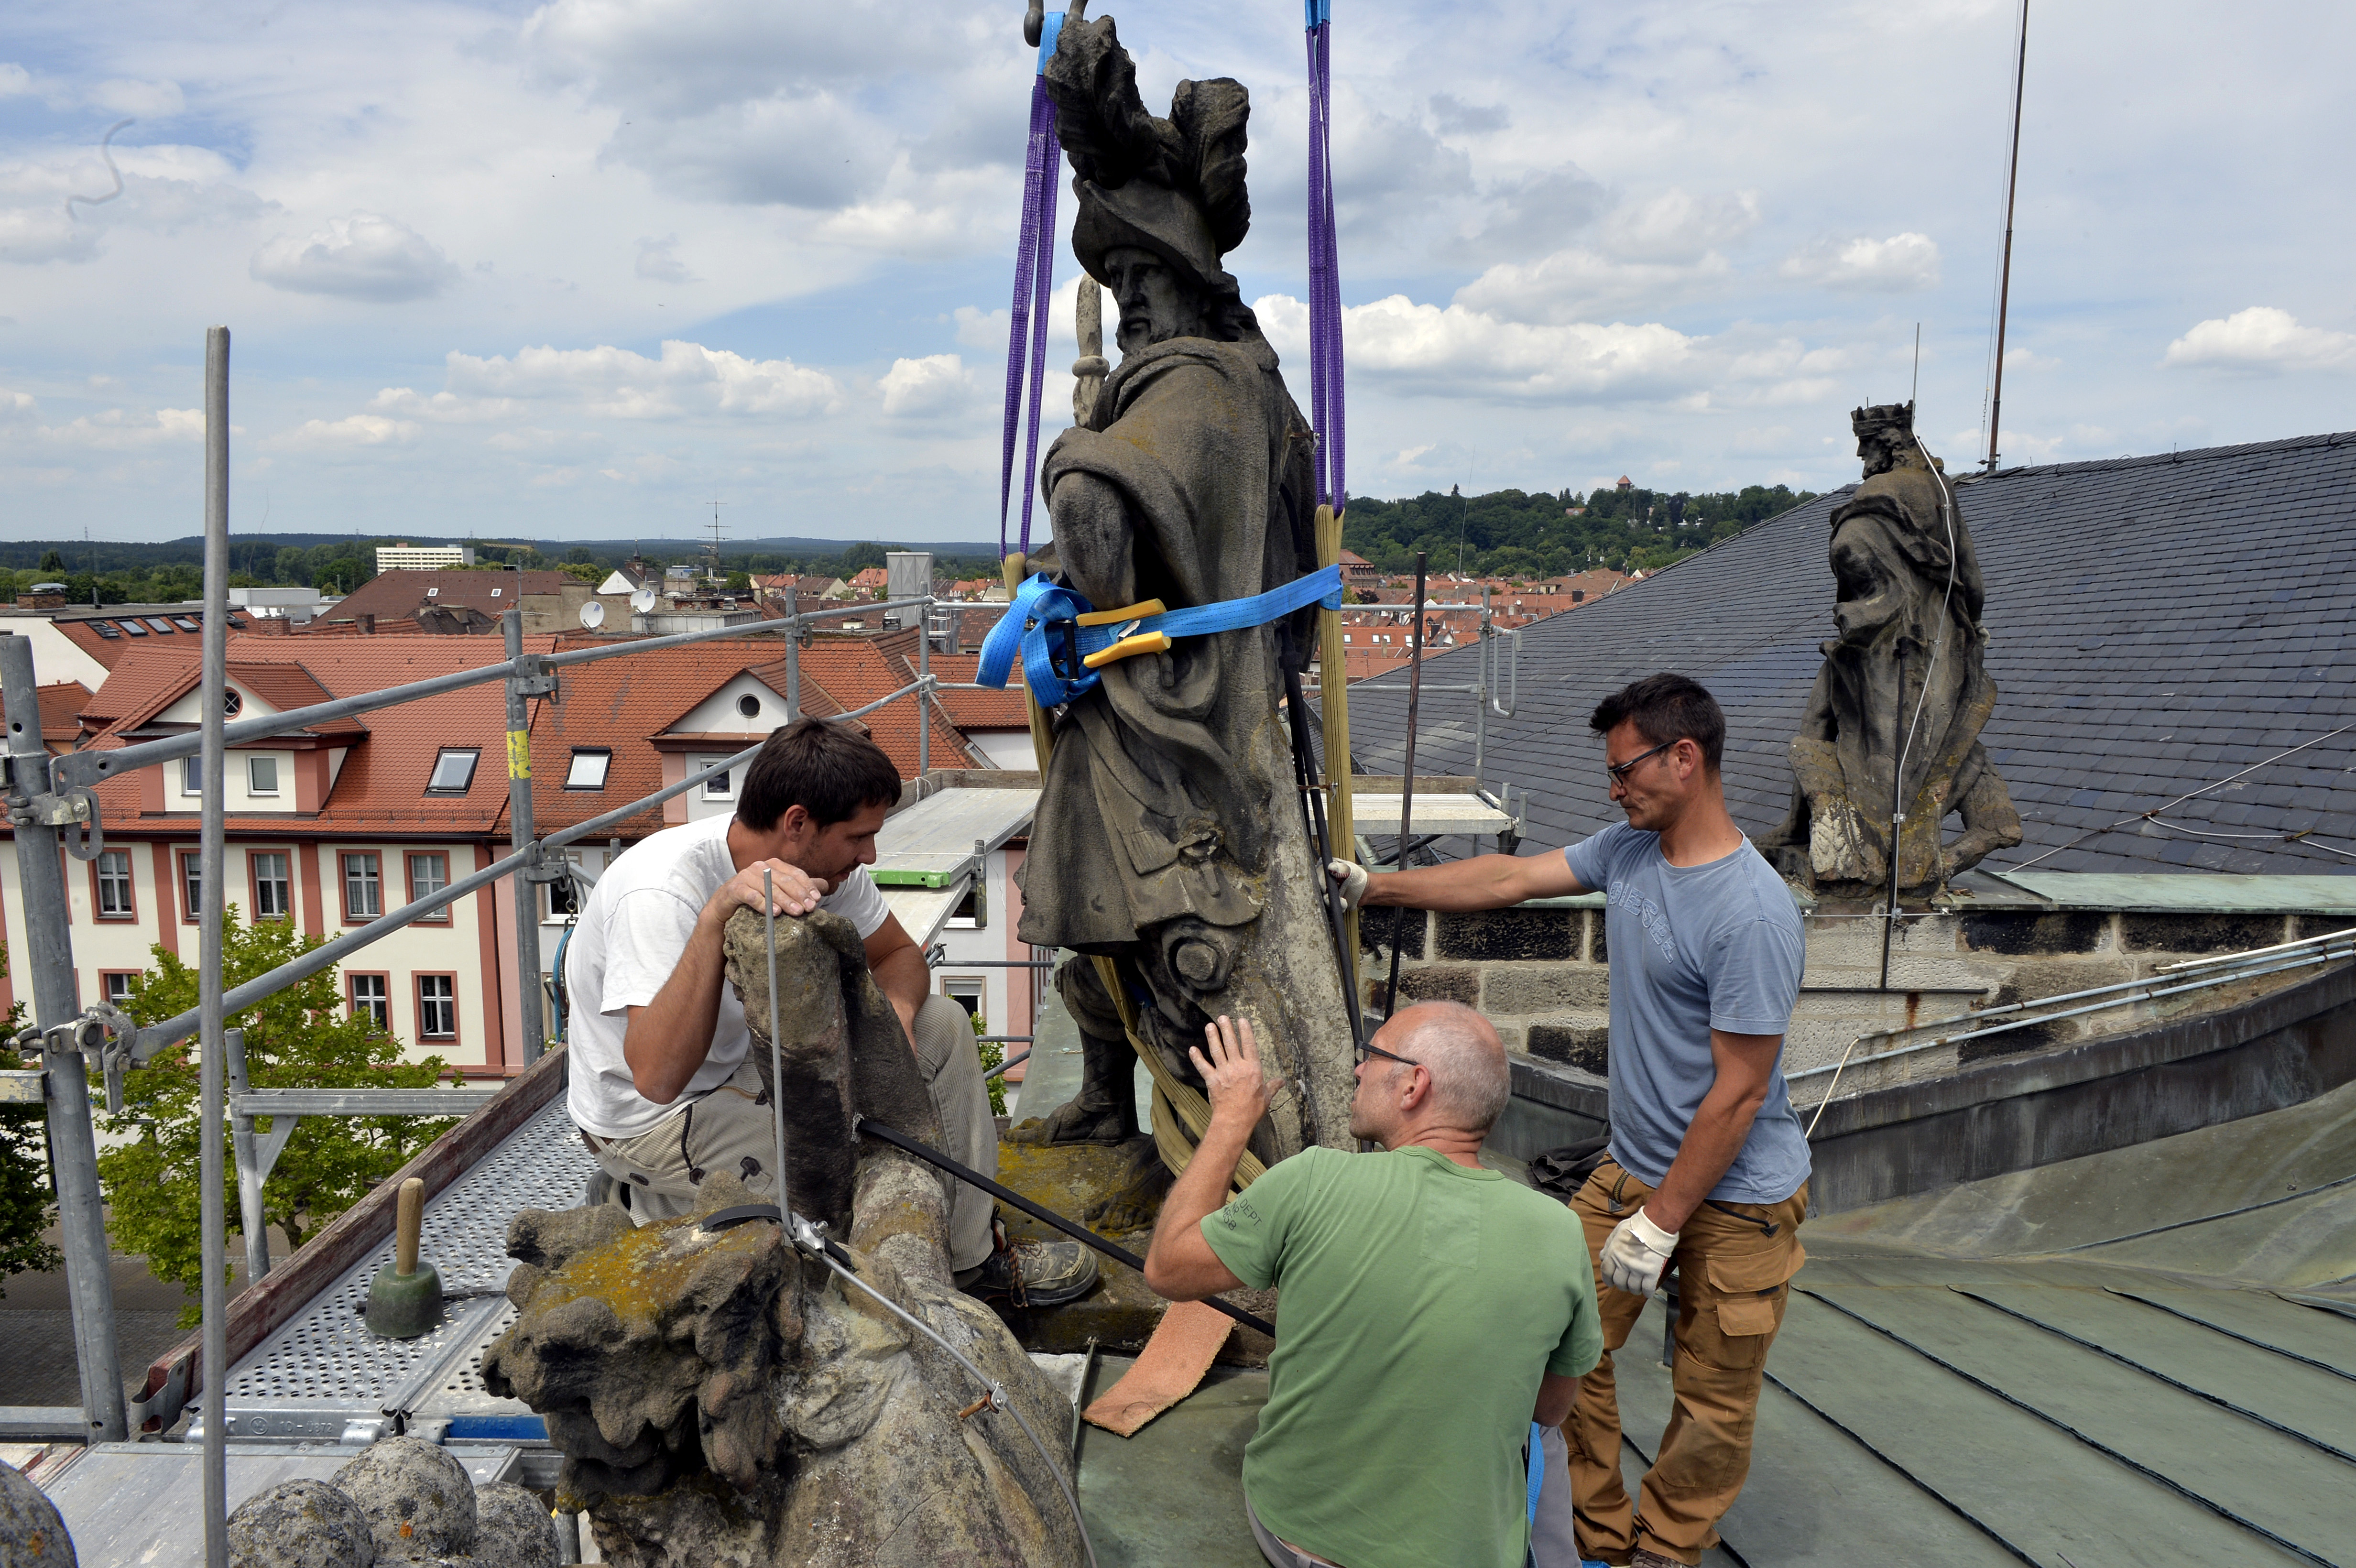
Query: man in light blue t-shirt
1708, 1165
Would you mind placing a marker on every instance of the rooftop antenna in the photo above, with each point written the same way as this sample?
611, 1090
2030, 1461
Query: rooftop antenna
712, 550
2004, 283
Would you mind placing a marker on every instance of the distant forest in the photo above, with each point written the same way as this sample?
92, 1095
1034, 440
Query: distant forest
1506, 533
1513, 534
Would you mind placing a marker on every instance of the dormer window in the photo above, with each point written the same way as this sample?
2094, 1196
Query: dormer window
588, 769
495, 593
453, 771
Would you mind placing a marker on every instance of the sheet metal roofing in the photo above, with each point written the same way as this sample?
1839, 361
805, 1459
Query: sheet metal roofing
2158, 624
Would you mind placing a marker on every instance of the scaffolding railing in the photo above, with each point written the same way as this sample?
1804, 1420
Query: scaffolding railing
53, 807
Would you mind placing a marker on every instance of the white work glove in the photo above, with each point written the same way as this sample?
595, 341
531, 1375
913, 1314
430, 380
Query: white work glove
1636, 1254
1353, 878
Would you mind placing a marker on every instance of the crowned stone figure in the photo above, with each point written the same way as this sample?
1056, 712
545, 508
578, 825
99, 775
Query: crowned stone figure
1907, 677
1169, 834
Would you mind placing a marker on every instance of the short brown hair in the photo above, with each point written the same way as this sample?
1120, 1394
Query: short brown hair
1667, 707
830, 770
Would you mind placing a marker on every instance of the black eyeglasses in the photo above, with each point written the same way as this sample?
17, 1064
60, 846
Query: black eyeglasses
1370, 1050
1619, 773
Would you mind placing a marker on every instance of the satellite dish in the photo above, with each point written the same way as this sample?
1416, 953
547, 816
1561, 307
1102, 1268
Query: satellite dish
643, 600
593, 615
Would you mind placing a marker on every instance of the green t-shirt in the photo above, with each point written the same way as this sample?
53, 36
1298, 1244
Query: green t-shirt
1421, 1301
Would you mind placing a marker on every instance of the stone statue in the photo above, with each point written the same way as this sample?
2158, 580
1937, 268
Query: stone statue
722, 1398
1169, 833
1908, 672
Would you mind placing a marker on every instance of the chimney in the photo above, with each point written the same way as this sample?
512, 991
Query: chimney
367, 624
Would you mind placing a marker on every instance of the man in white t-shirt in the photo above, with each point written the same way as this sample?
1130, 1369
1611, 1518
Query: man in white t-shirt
662, 1084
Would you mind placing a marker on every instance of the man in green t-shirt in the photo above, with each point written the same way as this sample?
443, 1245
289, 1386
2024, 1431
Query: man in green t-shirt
1431, 1309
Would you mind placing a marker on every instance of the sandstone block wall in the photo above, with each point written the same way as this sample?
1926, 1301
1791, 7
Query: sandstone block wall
1541, 974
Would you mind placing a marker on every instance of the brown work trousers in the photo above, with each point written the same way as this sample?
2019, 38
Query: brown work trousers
1733, 1262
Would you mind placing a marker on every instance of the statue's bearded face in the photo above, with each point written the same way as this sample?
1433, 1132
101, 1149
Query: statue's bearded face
1156, 304
1879, 448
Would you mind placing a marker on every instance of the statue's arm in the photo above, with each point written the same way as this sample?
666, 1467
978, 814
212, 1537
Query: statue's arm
1094, 538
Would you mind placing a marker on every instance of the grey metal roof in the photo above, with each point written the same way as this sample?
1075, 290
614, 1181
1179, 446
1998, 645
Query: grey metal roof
2158, 624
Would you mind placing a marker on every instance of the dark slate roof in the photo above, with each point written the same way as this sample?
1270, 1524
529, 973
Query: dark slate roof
2158, 624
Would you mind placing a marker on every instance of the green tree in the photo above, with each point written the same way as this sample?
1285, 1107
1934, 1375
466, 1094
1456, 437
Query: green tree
859, 558
298, 1039
25, 1209
52, 563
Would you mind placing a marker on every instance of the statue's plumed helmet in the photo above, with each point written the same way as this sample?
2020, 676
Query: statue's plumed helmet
1173, 186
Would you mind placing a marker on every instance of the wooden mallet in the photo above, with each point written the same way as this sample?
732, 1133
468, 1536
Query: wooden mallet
405, 1300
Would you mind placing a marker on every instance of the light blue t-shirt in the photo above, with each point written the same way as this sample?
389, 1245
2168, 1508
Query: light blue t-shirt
1695, 948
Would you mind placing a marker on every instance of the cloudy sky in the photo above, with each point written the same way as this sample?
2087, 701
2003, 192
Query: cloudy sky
570, 271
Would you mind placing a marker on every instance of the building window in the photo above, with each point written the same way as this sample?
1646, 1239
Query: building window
588, 769
272, 887
437, 1006
716, 787
113, 874
564, 897
192, 776
117, 983
749, 706
363, 887
261, 775
971, 913
428, 875
965, 990
454, 772
371, 999
192, 884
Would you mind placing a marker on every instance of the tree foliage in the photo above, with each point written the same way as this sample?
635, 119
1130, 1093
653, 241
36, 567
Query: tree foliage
26, 1209
1512, 533
299, 1037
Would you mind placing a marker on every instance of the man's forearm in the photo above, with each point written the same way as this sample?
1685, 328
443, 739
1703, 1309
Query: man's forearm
905, 980
1202, 1188
1712, 1140
1484, 881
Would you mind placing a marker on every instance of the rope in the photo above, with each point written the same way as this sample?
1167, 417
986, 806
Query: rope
1034, 277
1325, 268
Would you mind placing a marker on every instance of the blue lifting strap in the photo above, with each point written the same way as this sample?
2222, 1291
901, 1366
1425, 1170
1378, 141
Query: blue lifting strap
1050, 627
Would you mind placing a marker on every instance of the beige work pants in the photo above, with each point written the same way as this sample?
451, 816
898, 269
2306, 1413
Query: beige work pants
1733, 1262
733, 1129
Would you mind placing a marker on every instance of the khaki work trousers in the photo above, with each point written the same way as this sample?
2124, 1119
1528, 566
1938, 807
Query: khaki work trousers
1733, 1264
733, 1129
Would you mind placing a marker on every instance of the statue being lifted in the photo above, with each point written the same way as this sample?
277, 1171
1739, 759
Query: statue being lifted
1907, 677
1169, 838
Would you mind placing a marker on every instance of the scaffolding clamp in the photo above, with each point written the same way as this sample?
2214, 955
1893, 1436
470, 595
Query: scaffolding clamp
532, 678
103, 1030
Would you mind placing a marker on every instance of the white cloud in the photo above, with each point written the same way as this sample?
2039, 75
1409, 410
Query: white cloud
119, 430
352, 430
1464, 351
15, 405
1580, 285
616, 383
978, 328
1864, 265
2261, 338
363, 257
658, 262
1677, 225
918, 388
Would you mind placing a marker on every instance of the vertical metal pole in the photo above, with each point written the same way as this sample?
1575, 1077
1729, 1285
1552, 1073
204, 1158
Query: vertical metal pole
530, 1004
1481, 698
2004, 284
73, 1146
925, 690
249, 1173
794, 661
212, 1051
1407, 779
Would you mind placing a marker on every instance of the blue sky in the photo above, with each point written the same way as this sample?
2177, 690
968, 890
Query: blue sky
570, 271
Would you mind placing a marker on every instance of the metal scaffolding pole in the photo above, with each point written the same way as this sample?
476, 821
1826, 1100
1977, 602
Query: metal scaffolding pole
212, 1050
48, 968
250, 1174
522, 686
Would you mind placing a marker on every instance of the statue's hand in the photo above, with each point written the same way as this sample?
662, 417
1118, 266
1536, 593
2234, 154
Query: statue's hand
1238, 1086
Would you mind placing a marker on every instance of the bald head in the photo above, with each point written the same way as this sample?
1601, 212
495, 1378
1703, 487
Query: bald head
1470, 1080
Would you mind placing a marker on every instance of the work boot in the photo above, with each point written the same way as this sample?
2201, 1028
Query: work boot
1030, 1273
1643, 1558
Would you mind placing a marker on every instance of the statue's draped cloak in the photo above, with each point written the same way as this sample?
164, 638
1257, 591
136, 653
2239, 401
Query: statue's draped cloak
1156, 799
1893, 536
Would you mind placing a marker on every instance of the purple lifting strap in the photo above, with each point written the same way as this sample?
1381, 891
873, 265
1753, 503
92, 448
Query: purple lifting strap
1325, 402
1026, 343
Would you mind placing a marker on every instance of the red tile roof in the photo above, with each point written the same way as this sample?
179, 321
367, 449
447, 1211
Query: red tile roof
61, 710
392, 596
1004, 709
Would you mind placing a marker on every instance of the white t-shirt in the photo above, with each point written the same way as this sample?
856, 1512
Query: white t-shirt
627, 941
